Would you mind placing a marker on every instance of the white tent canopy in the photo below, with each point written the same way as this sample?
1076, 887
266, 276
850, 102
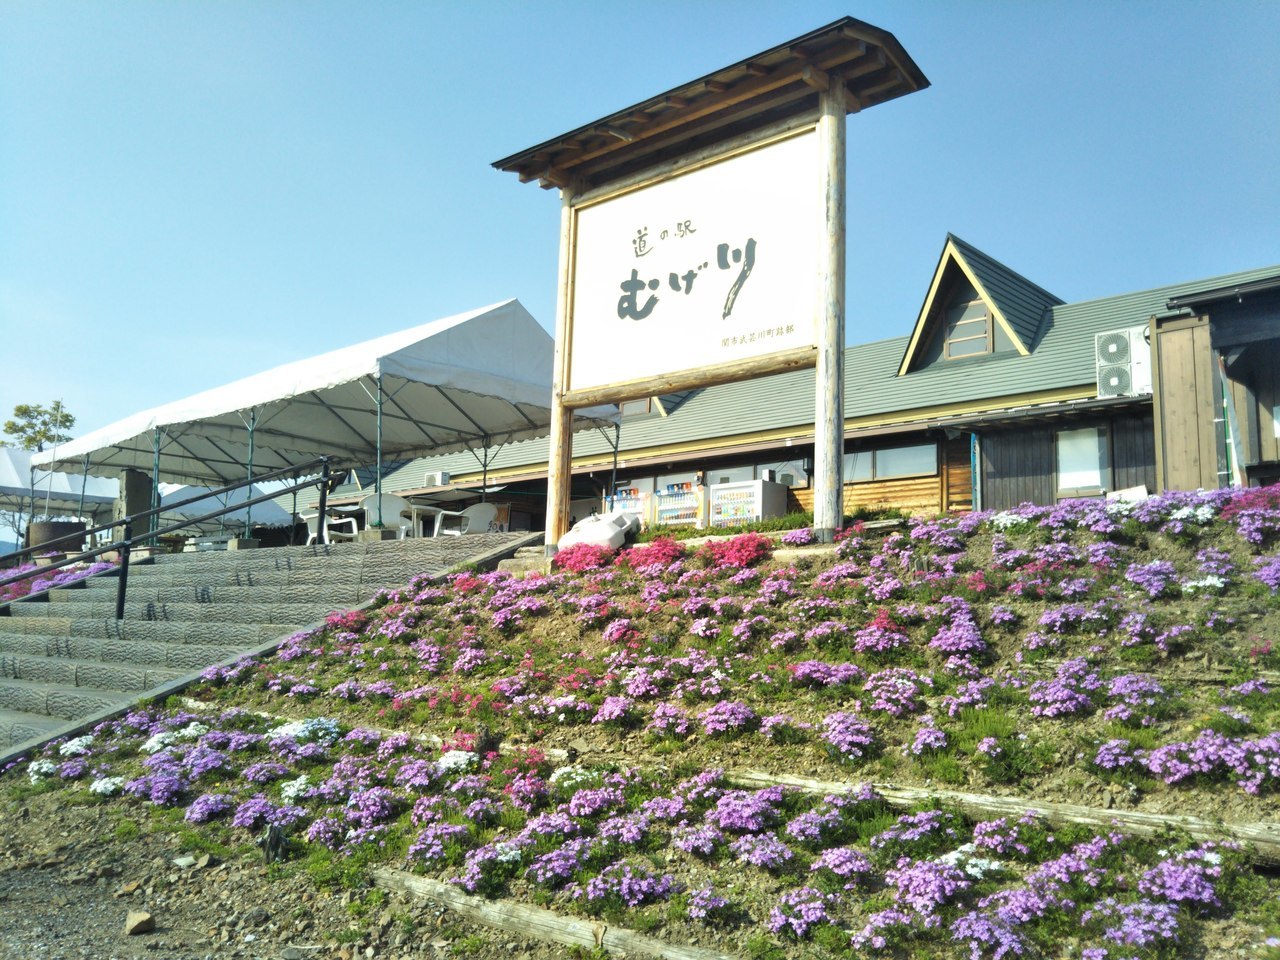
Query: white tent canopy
27, 490
471, 381
266, 514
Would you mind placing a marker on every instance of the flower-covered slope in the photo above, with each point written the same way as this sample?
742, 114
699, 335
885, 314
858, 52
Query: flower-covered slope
1104, 653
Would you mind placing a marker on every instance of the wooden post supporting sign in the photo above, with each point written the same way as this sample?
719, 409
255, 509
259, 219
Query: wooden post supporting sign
828, 441
696, 248
560, 455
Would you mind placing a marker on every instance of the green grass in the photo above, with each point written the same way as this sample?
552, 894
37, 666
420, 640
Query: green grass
791, 521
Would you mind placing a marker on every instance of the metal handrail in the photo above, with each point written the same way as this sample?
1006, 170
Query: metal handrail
126, 543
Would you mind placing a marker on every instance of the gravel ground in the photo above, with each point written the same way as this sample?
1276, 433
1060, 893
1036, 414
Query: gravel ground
68, 885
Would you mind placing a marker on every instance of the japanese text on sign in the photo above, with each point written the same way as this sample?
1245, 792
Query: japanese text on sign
680, 273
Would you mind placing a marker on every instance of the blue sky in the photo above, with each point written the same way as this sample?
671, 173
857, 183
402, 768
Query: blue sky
190, 193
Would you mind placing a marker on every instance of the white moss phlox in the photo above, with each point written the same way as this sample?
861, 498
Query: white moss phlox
457, 760
311, 730
293, 789
107, 786
77, 747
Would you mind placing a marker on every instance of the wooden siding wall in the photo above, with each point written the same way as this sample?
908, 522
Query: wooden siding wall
1018, 464
1266, 389
1186, 404
950, 489
1017, 467
1245, 329
1255, 389
915, 494
957, 476
1133, 452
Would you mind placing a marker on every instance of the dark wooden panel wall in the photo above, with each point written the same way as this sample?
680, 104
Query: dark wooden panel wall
1019, 464
1017, 467
1133, 452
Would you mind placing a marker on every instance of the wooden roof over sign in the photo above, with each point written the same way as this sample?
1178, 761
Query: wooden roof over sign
768, 88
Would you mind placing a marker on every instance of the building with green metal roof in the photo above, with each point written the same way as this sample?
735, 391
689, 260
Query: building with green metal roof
1001, 393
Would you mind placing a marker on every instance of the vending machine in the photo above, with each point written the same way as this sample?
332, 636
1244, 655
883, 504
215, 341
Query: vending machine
733, 504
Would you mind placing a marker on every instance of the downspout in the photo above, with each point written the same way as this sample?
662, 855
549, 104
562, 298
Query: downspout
613, 475
975, 467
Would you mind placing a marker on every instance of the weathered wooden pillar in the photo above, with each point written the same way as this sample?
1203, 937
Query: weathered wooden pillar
828, 440
560, 451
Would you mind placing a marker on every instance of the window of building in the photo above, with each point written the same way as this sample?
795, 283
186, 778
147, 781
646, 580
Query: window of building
793, 473
968, 330
859, 466
636, 409
891, 463
730, 474
1084, 464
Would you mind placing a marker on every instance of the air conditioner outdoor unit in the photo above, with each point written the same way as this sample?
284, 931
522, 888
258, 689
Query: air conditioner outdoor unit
1123, 359
436, 478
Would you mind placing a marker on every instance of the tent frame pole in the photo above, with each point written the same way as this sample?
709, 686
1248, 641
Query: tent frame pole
84, 481
252, 425
377, 476
489, 451
153, 524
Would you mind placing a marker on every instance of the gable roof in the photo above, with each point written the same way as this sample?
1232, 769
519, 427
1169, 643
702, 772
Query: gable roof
1017, 304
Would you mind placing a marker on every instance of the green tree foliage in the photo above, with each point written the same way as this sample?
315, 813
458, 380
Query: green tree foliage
34, 426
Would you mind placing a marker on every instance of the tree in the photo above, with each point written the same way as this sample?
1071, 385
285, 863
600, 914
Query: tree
34, 426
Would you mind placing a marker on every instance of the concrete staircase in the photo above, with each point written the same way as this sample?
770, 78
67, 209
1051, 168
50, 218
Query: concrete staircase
526, 560
66, 662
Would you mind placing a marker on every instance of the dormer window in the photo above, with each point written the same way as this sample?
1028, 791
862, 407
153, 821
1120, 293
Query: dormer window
636, 409
968, 330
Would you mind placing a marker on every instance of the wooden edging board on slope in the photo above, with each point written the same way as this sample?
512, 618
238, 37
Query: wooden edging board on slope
1263, 837
518, 918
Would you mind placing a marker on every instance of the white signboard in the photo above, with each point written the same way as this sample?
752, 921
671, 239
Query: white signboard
710, 267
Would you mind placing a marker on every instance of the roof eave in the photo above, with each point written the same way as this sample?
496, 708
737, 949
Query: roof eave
1237, 291
873, 63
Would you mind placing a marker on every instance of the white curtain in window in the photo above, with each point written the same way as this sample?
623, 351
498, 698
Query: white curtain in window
1081, 459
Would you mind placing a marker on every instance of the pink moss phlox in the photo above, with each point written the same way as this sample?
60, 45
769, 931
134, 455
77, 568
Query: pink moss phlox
744, 550
582, 557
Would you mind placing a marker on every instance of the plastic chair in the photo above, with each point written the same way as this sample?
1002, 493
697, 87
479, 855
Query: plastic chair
343, 528
474, 519
397, 513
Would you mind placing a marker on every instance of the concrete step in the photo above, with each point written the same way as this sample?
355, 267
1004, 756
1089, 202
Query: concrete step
158, 577
18, 727
74, 672
161, 631
287, 557
187, 657
204, 612
519, 566
67, 658
58, 699
344, 594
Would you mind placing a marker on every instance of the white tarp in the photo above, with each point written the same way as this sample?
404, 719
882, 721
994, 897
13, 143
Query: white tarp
56, 494
481, 378
265, 514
